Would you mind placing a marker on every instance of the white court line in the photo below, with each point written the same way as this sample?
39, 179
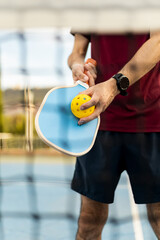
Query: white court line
135, 215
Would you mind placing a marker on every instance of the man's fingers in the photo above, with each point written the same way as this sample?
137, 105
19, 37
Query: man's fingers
81, 76
94, 115
92, 69
87, 92
91, 79
89, 75
78, 74
92, 102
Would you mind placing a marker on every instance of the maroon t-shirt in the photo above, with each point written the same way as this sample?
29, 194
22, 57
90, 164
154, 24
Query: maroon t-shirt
140, 110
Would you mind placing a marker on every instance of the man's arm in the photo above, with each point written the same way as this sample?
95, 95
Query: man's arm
76, 61
142, 62
79, 50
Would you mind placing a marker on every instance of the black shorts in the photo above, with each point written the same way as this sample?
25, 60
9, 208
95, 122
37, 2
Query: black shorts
97, 173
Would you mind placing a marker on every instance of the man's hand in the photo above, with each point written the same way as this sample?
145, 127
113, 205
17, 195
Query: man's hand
84, 73
102, 95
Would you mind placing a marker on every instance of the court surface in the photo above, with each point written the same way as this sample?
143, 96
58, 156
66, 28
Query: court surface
36, 203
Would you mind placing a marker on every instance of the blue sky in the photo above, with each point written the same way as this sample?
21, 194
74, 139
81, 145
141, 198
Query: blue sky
43, 54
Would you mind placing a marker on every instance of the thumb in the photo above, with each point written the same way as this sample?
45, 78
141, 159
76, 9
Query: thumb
88, 92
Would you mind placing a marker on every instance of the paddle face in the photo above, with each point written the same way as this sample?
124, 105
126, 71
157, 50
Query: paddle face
58, 127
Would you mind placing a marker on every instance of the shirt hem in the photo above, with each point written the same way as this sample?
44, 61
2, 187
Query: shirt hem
123, 129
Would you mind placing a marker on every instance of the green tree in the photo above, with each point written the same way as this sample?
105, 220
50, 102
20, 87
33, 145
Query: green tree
15, 124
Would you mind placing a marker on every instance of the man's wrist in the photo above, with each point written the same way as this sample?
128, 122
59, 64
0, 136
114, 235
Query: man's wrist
113, 85
116, 90
76, 64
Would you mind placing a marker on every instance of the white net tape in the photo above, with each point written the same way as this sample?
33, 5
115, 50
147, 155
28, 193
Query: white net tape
84, 15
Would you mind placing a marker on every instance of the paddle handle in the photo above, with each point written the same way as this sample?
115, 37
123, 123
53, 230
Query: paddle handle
90, 60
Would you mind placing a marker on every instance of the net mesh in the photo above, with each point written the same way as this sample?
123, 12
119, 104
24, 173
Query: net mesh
33, 61
21, 96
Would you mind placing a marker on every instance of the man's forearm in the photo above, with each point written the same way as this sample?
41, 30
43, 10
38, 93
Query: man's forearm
79, 50
143, 61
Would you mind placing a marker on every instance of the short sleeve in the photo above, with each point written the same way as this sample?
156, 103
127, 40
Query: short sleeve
83, 34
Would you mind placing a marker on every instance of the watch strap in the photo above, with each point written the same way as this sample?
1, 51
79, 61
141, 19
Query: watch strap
117, 77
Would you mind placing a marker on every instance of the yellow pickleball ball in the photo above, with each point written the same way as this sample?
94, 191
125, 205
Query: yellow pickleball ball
76, 104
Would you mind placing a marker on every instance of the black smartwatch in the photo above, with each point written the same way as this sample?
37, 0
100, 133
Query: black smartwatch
122, 83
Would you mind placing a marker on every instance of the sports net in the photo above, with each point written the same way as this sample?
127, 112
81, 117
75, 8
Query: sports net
128, 15
35, 199
25, 79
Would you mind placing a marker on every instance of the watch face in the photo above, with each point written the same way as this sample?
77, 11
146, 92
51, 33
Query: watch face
124, 83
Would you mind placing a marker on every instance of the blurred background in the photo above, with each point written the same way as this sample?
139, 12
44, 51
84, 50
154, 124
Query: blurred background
32, 62
36, 202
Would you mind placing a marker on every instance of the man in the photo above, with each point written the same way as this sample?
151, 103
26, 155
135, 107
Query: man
127, 96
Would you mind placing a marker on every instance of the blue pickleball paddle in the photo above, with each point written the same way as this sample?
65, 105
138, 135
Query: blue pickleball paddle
58, 127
